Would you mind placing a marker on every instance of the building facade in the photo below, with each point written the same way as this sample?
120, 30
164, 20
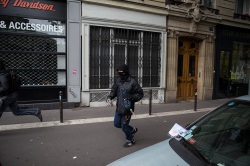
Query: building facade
191, 42
221, 29
114, 35
190, 56
181, 63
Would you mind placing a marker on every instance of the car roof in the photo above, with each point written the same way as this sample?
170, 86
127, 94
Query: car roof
246, 97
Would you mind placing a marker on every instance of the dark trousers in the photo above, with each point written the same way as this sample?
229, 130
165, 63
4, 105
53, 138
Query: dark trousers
122, 122
11, 102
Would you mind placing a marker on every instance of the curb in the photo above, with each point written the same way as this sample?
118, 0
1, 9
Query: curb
95, 120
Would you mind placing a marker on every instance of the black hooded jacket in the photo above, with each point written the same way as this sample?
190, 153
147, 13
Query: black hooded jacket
133, 91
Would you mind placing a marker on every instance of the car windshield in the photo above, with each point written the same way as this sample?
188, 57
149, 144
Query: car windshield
223, 136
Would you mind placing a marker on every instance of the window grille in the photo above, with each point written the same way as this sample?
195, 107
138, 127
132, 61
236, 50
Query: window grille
35, 58
110, 47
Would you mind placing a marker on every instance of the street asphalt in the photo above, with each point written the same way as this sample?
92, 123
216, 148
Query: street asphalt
83, 115
83, 138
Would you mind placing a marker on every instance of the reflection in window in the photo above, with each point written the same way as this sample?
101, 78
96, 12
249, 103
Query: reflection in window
180, 65
19, 43
224, 64
241, 62
191, 69
223, 137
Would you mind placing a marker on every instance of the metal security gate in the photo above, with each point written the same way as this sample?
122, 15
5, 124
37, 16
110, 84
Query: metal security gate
34, 68
39, 58
34, 59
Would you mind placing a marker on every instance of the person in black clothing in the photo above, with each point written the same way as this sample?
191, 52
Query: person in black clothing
8, 98
126, 88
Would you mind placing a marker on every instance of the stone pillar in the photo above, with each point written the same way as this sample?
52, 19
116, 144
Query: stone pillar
206, 69
172, 61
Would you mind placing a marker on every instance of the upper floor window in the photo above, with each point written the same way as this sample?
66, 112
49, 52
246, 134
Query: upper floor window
209, 3
242, 7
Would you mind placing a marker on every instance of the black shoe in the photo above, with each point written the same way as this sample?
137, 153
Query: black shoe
129, 143
134, 131
39, 115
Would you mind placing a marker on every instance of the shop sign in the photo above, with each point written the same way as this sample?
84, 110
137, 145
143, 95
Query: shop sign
4, 3
29, 5
33, 25
42, 8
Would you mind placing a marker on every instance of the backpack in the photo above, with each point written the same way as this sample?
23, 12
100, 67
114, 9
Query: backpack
15, 82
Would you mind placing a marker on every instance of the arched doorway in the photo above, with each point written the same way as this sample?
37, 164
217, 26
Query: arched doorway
187, 68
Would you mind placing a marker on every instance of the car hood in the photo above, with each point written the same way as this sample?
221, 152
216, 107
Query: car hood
160, 154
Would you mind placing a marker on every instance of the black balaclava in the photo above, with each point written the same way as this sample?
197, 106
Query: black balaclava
123, 72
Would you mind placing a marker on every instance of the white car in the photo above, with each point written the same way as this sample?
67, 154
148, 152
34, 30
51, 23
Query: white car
221, 137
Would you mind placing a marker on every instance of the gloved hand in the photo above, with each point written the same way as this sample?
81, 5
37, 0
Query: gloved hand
109, 101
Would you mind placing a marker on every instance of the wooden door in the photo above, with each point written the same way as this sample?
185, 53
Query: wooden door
187, 68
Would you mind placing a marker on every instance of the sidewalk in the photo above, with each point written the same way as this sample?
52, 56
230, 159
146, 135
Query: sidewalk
99, 114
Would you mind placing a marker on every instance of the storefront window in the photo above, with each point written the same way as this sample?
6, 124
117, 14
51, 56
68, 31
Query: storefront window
241, 62
35, 49
240, 71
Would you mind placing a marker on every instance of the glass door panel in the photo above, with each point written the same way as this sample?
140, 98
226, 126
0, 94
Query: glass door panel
191, 70
224, 80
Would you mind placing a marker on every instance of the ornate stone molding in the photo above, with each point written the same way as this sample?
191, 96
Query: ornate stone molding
197, 14
172, 33
210, 38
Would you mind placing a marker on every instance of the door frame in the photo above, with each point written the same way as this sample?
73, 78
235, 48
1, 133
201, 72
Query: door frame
187, 83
